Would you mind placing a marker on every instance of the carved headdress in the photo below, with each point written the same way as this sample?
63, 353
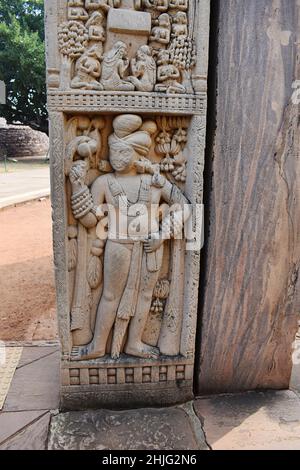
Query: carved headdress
114, 54
129, 136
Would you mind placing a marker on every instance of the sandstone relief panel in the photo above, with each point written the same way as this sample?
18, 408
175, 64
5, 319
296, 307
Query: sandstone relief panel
126, 45
127, 106
120, 276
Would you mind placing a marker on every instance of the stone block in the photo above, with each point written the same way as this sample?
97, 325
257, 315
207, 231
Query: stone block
145, 429
251, 421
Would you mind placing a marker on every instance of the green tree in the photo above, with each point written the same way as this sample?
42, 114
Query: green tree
22, 62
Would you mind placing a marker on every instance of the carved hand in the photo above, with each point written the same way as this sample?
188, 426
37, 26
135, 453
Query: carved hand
77, 175
153, 243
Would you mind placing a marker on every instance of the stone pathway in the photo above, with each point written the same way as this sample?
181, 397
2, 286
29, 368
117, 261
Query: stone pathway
30, 418
24, 186
32, 398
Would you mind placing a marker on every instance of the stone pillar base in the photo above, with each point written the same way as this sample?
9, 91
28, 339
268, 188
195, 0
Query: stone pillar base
107, 383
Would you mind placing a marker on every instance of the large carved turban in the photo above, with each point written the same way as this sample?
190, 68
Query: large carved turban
128, 136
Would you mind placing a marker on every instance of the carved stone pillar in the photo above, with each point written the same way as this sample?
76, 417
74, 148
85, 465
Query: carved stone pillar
127, 105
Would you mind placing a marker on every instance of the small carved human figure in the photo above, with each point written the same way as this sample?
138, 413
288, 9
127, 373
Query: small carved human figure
161, 32
114, 66
104, 5
159, 5
87, 70
168, 75
179, 25
143, 69
178, 4
76, 10
95, 28
132, 258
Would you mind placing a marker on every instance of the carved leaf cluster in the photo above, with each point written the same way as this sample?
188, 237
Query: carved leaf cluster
72, 38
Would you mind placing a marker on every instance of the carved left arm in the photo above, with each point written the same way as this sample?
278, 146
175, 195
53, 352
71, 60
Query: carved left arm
172, 224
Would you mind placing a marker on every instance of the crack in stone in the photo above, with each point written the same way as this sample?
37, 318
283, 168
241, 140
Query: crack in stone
196, 425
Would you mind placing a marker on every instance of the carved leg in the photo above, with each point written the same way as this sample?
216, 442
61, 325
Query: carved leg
116, 268
125, 86
135, 346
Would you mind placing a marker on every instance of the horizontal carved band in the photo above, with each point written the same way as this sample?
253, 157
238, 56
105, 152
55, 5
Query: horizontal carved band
123, 102
130, 374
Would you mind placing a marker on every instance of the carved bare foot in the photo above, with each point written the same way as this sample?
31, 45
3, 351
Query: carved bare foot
142, 350
85, 353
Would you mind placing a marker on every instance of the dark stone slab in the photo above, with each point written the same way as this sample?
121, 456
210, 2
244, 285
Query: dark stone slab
33, 437
251, 421
145, 429
35, 386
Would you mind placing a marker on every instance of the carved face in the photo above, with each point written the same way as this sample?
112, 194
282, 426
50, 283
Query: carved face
94, 51
163, 57
143, 52
123, 159
123, 52
180, 18
164, 20
96, 19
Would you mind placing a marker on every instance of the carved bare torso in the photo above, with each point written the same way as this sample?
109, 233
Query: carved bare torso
142, 214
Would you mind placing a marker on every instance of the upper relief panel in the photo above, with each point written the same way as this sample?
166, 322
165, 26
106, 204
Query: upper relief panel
142, 46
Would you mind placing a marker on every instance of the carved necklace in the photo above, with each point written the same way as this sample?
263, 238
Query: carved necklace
124, 193
117, 191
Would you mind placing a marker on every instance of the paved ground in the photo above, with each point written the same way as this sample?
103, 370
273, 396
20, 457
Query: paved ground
30, 420
24, 186
32, 398
251, 421
23, 164
27, 293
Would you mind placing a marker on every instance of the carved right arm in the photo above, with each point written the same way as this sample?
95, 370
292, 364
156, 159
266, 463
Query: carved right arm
123, 66
85, 202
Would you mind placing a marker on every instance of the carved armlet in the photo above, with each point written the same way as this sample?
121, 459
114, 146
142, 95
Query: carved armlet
82, 203
172, 226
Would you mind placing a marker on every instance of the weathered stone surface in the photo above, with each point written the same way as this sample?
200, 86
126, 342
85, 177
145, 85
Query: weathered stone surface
35, 386
145, 429
33, 437
251, 421
251, 281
